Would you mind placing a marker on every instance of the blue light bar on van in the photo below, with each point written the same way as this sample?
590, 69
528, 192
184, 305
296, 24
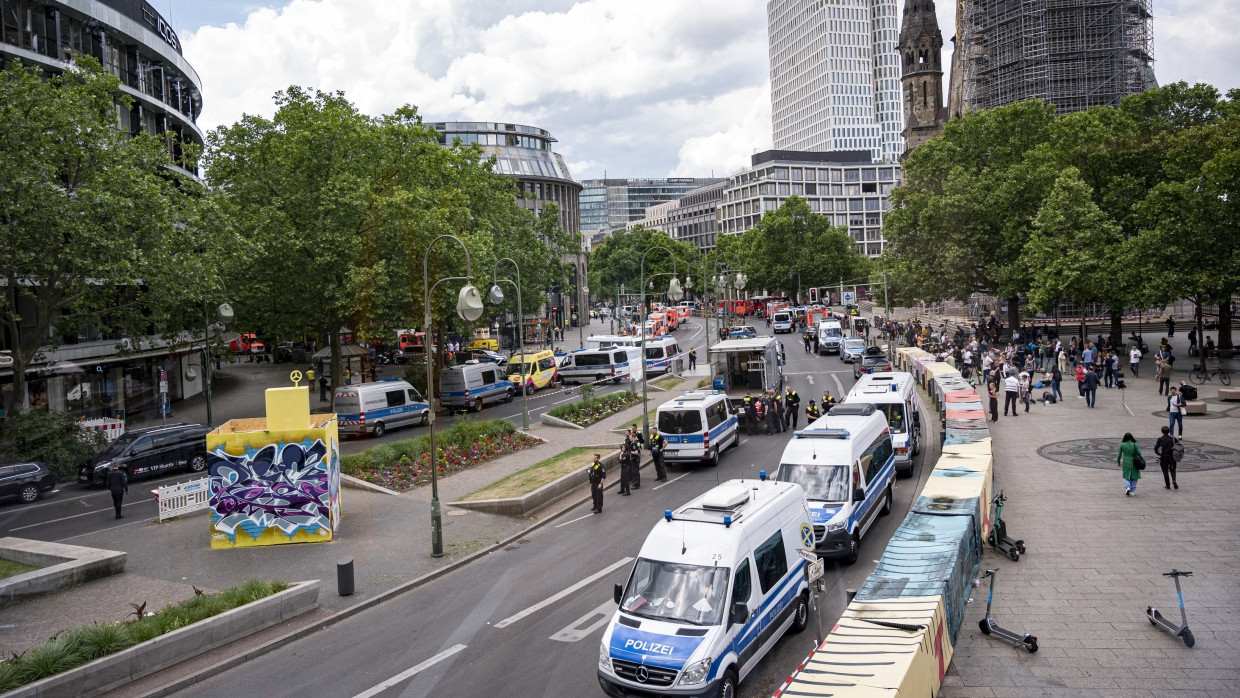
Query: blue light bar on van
391, 378
727, 521
667, 514
821, 434
762, 475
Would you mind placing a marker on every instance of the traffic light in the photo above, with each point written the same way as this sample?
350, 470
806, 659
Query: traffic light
813, 295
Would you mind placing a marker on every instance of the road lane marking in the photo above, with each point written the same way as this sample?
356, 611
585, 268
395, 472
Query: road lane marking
74, 516
576, 633
810, 379
673, 480
578, 519
547, 602
103, 530
560, 402
838, 385
411, 672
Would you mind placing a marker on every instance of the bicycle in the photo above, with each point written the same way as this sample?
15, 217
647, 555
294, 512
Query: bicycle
1201, 375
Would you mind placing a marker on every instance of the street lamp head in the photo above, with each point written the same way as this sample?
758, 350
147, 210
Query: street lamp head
740, 281
496, 295
650, 285
469, 303
226, 313
689, 283
674, 292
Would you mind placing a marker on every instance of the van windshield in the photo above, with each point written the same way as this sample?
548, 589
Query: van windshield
118, 446
676, 592
680, 422
826, 483
829, 332
895, 415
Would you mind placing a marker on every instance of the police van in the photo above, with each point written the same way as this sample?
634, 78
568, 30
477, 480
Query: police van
597, 365
894, 395
830, 335
781, 321
663, 355
473, 385
717, 583
373, 408
846, 465
698, 427
603, 341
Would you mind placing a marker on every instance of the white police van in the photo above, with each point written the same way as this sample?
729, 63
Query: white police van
373, 408
473, 385
715, 586
830, 336
603, 341
845, 463
698, 427
895, 395
663, 355
597, 365
781, 321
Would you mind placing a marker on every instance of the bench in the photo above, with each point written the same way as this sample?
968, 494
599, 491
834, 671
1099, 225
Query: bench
1195, 407
1229, 393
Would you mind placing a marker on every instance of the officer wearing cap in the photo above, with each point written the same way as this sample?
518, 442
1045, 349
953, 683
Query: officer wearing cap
811, 412
793, 403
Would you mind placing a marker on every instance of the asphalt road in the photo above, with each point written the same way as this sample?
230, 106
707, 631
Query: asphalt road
527, 620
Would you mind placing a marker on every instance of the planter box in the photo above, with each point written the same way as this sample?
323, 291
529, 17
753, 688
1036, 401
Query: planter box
115, 670
61, 566
522, 506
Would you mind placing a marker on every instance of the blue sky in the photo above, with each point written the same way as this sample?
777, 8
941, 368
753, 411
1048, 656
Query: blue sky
630, 88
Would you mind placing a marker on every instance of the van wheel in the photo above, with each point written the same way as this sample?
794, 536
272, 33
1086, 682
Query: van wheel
508, 396
478, 405
714, 459
380, 430
854, 548
198, 463
886, 503
801, 615
600, 378
727, 687
29, 493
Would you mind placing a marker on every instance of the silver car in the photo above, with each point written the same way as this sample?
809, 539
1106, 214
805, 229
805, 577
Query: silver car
851, 350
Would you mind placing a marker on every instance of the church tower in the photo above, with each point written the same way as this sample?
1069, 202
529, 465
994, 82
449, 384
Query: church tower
921, 58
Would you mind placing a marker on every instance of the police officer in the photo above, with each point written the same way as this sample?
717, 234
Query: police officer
323, 385
657, 444
827, 401
768, 409
597, 473
638, 442
777, 406
692, 358
626, 463
751, 413
793, 403
811, 412
310, 376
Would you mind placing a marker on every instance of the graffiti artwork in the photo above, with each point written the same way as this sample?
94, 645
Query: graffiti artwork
284, 487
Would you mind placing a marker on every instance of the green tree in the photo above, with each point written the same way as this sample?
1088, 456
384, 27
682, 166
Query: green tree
93, 222
617, 261
792, 243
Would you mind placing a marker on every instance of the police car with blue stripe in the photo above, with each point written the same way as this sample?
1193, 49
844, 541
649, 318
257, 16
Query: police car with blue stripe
698, 427
473, 385
846, 464
373, 408
715, 586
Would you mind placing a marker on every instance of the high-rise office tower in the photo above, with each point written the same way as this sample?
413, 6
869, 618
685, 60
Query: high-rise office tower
835, 76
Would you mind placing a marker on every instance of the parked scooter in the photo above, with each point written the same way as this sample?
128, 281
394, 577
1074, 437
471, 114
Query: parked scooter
998, 538
1156, 618
989, 627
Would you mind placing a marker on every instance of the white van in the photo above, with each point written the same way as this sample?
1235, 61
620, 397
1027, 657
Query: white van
698, 427
603, 341
596, 365
830, 335
716, 584
373, 408
473, 385
781, 321
845, 463
663, 355
627, 310
895, 395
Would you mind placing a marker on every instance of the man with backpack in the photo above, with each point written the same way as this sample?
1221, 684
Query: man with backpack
1169, 451
1175, 411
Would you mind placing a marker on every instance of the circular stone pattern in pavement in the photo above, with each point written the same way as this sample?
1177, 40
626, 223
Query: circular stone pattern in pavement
1100, 453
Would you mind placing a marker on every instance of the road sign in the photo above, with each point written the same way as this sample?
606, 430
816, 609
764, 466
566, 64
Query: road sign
849, 297
808, 555
813, 570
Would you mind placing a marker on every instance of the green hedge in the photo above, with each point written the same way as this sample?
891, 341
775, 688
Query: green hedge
463, 432
75, 647
596, 408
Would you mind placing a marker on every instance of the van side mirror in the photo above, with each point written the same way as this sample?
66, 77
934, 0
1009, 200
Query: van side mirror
740, 614
859, 494
617, 593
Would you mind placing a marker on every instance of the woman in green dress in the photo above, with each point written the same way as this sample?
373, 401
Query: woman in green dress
1128, 450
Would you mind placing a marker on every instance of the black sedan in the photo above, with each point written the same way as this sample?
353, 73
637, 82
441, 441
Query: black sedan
25, 481
871, 363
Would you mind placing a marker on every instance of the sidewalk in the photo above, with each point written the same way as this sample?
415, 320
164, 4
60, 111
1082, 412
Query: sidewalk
1096, 557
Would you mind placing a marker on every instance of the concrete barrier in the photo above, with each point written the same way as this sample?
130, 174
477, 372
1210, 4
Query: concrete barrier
115, 670
1195, 407
1229, 394
60, 566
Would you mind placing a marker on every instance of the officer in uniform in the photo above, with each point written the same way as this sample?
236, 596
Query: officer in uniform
751, 413
793, 403
811, 412
777, 406
768, 409
657, 444
827, 401
636, 470
597, 473
627, 456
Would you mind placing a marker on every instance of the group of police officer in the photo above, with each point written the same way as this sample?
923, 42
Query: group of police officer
780, 413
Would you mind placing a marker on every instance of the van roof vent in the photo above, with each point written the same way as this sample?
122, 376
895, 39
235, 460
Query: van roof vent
852, 409
725, 498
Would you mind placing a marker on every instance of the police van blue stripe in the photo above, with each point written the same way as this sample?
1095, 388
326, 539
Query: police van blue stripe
492, 388
715, 433
859, 513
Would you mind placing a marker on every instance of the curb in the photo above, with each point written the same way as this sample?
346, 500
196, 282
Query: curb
557, 422
359, 484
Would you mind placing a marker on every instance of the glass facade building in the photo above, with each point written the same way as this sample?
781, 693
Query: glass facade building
693, 217
612, 204
835, 76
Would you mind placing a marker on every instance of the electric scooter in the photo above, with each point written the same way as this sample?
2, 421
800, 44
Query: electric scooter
989, 627
1156, 618
998, 537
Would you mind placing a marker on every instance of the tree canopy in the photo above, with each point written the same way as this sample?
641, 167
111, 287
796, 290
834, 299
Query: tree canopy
793, 245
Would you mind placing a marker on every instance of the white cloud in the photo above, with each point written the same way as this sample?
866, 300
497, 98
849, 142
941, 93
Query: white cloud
1197, 41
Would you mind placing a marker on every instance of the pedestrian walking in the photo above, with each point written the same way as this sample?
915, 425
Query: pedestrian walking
1134, 360
1080, 381
657, 444
1175, 411
793, 403
1164, 448
992, 390
1011, 389
1056, 383
1091, 387
118, 484
323, 386
597, 473
1170, 326
1127, 460
347, 375
692, 358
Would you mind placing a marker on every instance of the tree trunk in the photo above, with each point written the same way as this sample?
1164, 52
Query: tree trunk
1013, 319
1224, 327
1201, 338
1117, 327
333, 336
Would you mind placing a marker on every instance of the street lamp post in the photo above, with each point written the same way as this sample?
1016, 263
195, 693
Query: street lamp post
674, 293
497, 297
469, 308
225, 312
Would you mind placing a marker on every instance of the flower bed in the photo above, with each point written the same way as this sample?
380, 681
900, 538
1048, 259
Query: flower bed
594, 409
403, 465
77, 646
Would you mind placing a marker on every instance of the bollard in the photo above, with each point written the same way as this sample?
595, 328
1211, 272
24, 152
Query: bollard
344, 576
852, 594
